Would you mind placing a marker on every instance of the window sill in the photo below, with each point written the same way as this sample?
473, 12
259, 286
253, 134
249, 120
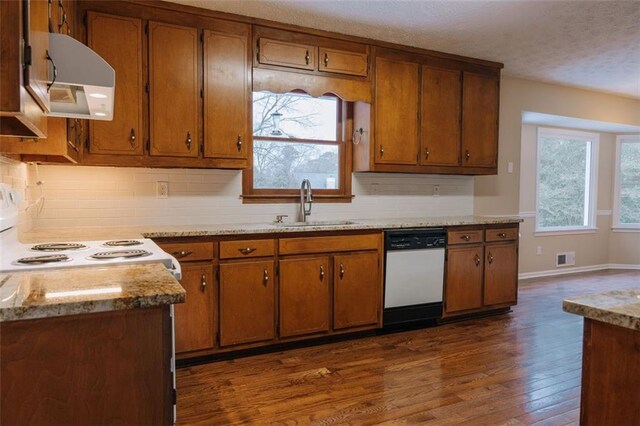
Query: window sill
279, 199
565, 232
623, 229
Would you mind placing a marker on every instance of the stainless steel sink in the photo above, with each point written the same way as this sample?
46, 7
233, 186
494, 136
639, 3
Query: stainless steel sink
316, 223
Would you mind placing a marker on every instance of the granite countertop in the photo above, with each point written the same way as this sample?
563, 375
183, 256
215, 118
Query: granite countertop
59, 292
160, 231
619, 307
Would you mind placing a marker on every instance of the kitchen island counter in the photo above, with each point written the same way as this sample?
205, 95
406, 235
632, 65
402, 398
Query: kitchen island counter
60, 292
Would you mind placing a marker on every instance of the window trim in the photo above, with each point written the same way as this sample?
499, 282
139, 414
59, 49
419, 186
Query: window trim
251, 195
592, 177
634, 138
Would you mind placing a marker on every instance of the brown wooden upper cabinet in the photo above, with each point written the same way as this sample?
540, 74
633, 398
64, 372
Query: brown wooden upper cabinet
320, 55
24, 38
480, 120
440, 121
118, 39
173, 90
396, 111
227, 91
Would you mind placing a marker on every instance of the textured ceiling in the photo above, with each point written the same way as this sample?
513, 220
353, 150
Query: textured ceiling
589, 44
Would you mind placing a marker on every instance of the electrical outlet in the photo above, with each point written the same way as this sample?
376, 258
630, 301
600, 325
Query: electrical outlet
436, 190
539, 250
162, 189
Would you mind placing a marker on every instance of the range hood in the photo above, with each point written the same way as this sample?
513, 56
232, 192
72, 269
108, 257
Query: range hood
84, 85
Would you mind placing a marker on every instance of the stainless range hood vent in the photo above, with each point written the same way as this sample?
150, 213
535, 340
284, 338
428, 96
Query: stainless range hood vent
84, 84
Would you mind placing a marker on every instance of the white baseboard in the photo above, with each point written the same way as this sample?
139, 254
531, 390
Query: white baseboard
574, 270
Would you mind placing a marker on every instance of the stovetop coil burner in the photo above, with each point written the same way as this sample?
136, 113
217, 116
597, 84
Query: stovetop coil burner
119, 254
122, 243
58, 247
40, 260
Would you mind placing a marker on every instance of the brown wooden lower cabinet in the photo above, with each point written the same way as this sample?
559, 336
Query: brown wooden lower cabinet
194, 319
247, 302
304, 296
501, 274
356, 290
464, 278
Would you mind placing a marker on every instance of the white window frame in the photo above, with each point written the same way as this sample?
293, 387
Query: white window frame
591, 179
616, 183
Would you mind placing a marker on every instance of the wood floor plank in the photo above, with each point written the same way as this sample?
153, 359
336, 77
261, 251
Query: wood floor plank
519, 368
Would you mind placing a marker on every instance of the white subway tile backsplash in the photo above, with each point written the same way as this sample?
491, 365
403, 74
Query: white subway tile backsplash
109, 196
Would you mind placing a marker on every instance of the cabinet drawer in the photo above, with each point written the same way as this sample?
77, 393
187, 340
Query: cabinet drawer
501, 234
285, 54
464, 237
343, 62
246, 248
186, 252
305, 245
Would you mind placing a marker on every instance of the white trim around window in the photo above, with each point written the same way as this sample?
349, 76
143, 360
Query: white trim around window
591, 180
617, 226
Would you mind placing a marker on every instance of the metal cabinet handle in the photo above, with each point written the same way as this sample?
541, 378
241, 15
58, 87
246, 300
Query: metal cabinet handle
502, 235
188, 141
490, 258
239, 143
467, 154
203, 283
321, 273
181, 254
341, 271
247, 250
326, 60
381, 150
477, 259
265, 277
307, 58
426, 153
55, 72
465, 237
132, 138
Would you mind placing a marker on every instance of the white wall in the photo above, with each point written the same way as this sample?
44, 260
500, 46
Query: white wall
107, 196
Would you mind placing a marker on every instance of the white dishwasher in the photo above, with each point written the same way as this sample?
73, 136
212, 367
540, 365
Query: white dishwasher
414, 277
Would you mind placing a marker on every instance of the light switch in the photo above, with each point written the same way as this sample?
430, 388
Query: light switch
510, 167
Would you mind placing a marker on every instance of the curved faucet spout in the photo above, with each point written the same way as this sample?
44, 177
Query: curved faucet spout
306, 200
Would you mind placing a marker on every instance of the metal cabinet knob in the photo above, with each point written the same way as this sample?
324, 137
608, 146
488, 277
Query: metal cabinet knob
381, 150
265, 277
239, 143
247, 250
203, 283
188, 141
132, 138
321, 273
477, 259
181, 254
426, 153
467, 154
490, 258
341, 271
465, 237
307, 58
502, 235
326, 60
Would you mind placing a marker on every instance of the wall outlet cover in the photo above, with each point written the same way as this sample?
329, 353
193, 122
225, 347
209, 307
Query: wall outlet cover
162, 189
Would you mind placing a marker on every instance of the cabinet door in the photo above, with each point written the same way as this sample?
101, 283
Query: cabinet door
356, 290
463, 287
396, 112
194, 319
285, 54
343, 62
501, 274
480, 97
174, 95
226, 91
247, 302
441, 99
118, 40
36, 75
304, 296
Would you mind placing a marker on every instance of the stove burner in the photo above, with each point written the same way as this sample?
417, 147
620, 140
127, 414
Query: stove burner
58, 247
122, 243
40, 260
119, 254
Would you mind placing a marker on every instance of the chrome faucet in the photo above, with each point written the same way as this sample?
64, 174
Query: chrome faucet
306, 199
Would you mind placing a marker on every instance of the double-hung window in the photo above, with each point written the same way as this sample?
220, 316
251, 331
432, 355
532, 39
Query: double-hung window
566, 180
626, 203
297, 137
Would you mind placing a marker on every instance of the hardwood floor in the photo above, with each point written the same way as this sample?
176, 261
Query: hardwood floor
518, 368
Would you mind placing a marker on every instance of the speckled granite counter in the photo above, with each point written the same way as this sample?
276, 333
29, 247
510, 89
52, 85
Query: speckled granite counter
620, 308
160, 231
59, 292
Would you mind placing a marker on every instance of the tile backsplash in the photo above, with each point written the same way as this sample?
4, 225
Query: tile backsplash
109, 196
